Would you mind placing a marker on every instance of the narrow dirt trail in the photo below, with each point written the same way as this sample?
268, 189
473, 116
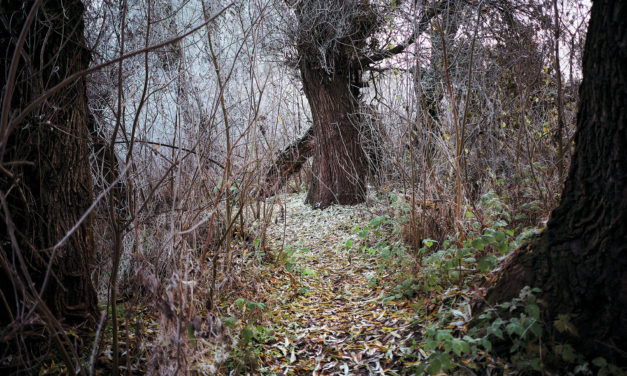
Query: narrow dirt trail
329, 316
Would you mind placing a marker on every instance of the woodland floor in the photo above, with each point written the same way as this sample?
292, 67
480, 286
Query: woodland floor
328, 295
334, 292
330, 315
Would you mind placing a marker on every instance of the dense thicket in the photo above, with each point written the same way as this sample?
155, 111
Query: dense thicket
197, 117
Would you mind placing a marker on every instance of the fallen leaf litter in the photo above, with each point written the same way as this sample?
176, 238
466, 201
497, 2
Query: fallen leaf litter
336, 324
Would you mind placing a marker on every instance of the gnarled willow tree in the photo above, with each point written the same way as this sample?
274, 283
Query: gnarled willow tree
336, 43
331, 37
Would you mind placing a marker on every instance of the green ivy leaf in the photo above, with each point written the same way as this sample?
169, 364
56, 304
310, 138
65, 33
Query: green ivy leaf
533, 311
487, 345
486, 263
229, 322
445, 362
460, 346
444, 335
566, 352
487, 239
434, 366
500, 223
514, 328
247, 334
478, 244
599, 362
536, 329
503, 247
496, 332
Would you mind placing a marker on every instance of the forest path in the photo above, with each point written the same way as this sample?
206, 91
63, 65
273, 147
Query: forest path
330, 316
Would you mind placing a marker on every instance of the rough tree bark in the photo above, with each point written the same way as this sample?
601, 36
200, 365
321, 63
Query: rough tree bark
339, 166
291, 158
335, 46
330, 34
45, 183
579, 260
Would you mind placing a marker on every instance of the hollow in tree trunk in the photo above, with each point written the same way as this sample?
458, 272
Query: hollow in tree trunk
580, 260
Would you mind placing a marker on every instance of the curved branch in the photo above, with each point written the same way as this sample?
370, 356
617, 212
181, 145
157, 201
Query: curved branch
288, 162
422, 26
172, 147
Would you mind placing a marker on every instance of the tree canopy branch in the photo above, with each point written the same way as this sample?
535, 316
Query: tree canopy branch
422, 26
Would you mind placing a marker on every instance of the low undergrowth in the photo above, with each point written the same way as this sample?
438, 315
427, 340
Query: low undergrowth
341, 291
510, 338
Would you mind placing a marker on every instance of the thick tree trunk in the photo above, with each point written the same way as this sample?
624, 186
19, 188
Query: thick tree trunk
331, 37
46, 180
580, 261
291, 159
340, 165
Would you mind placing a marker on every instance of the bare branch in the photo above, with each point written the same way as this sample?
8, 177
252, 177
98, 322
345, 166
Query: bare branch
421, 27
72, 78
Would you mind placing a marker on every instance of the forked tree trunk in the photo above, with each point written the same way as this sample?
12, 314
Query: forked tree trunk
291, 159
340, 167
46, 179
580, 261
